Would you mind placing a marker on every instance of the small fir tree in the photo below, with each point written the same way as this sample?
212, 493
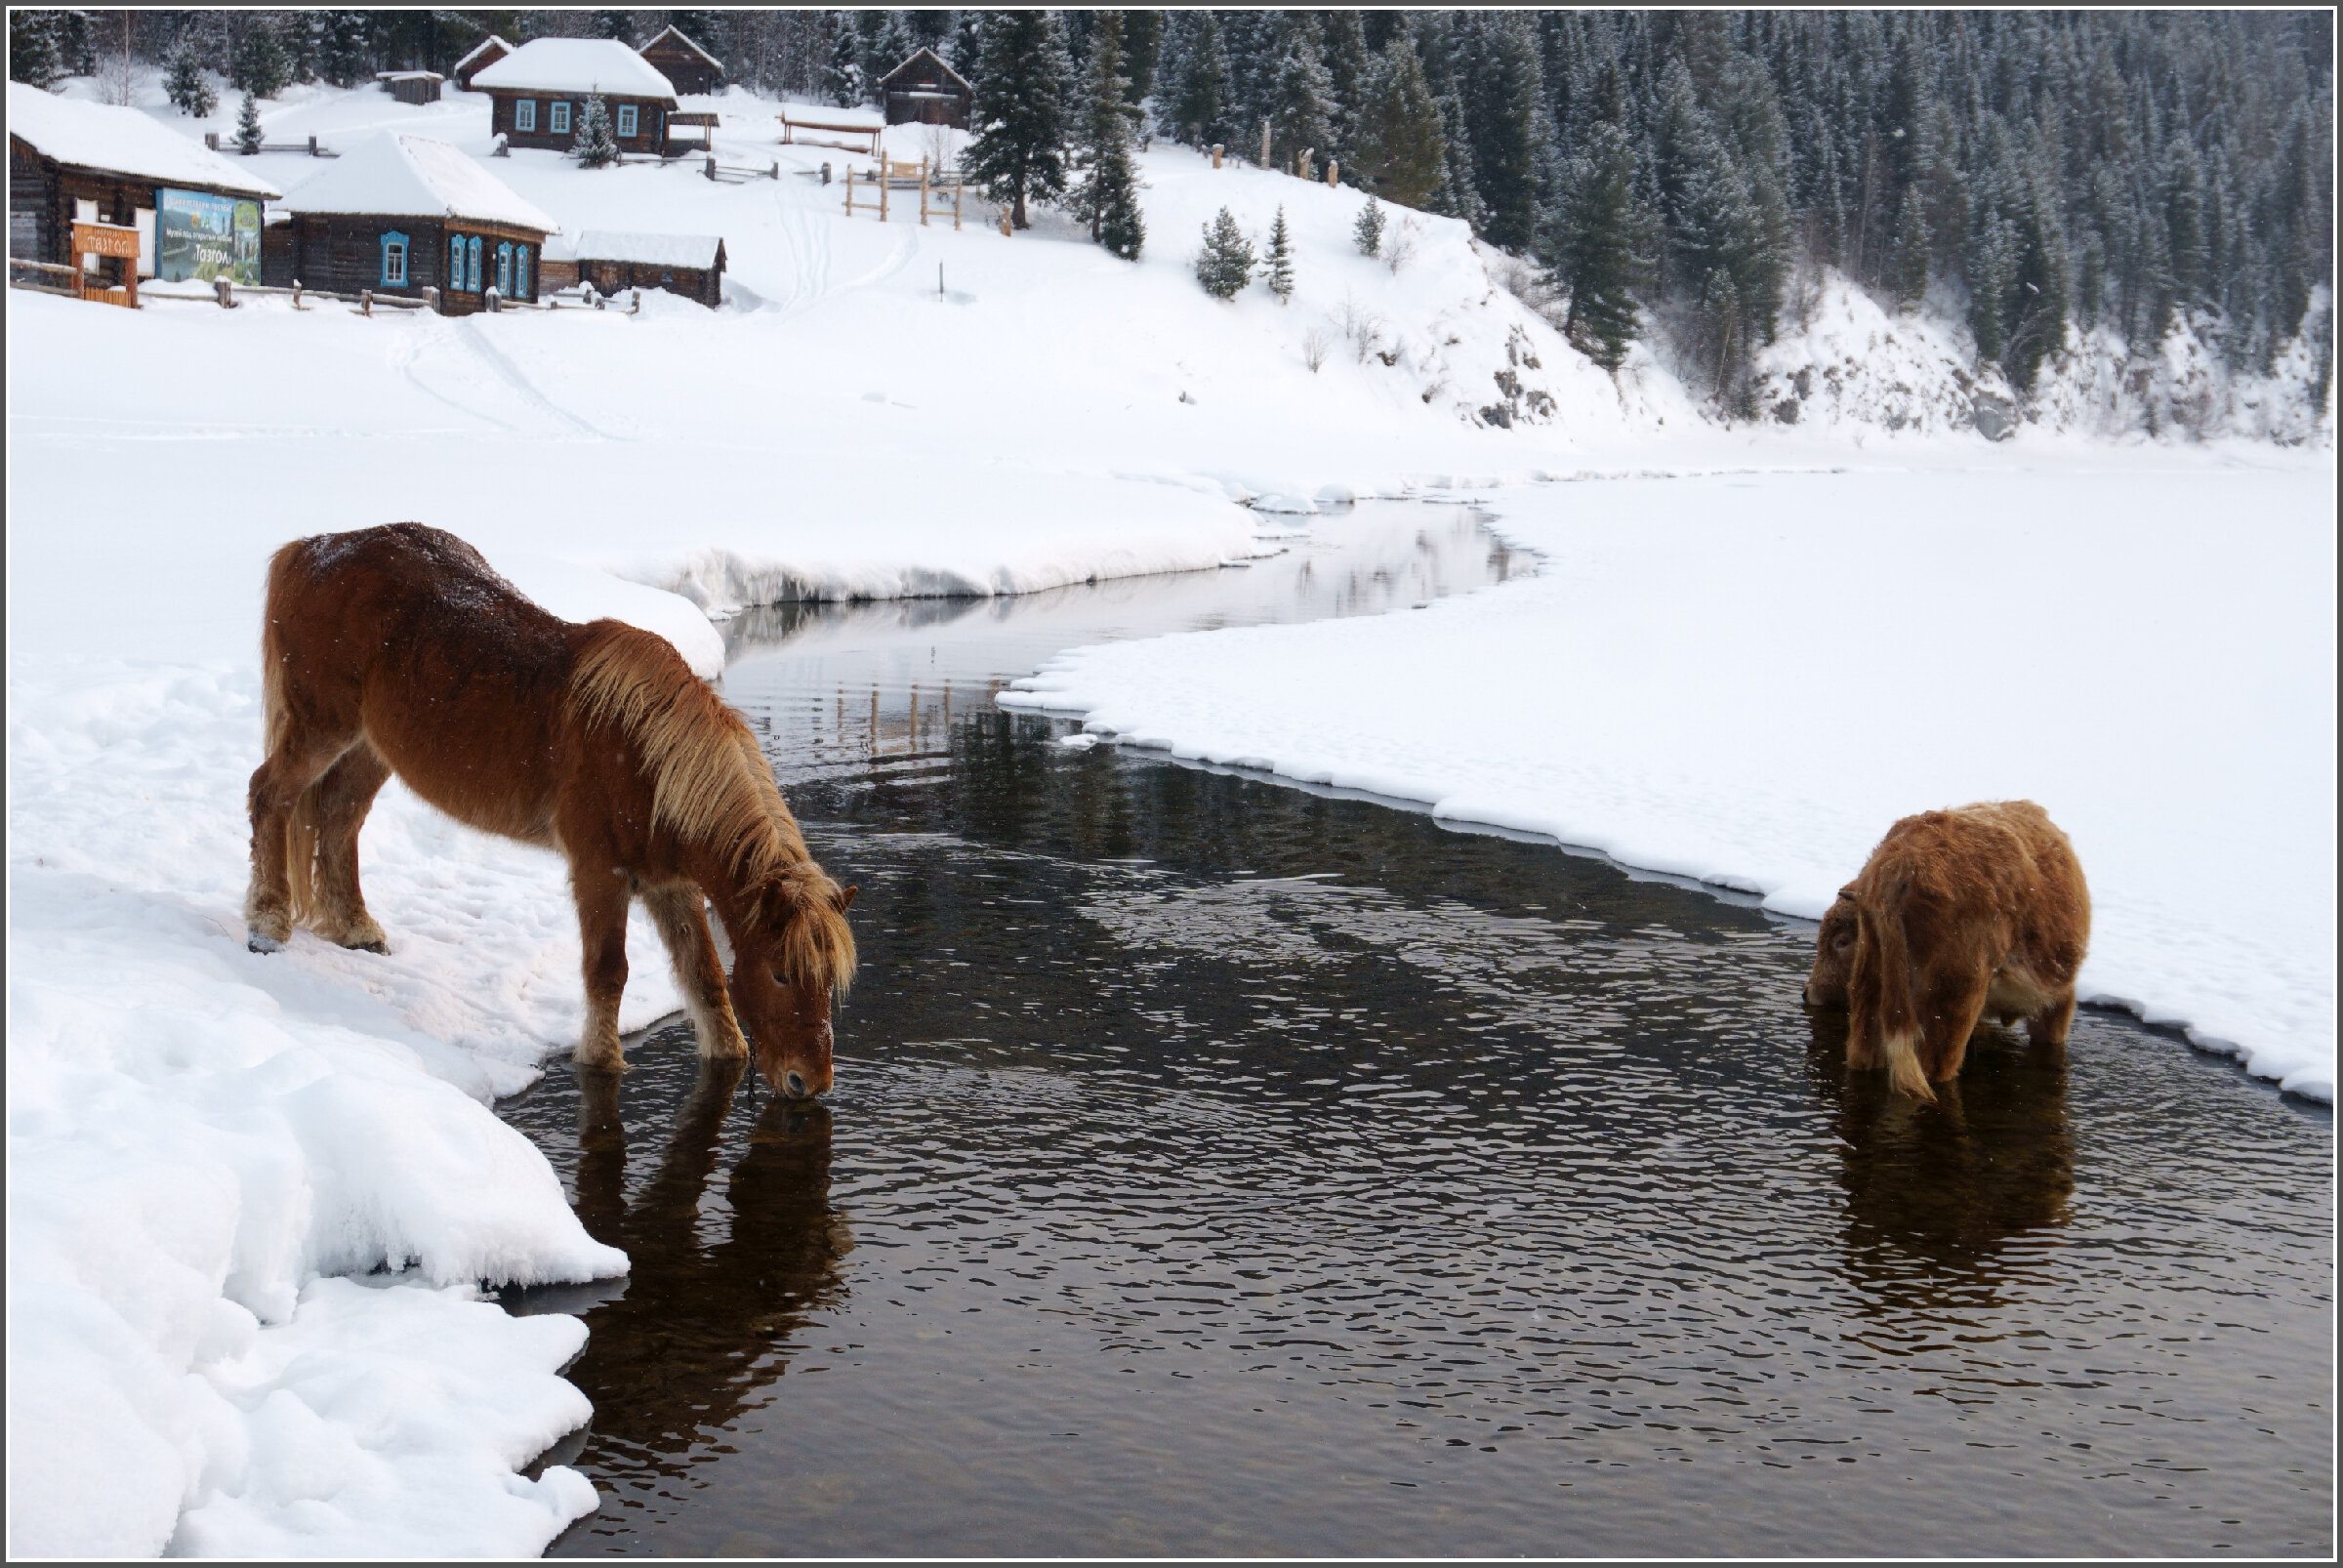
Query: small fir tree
260, 66
597, 145
1908, 279
843, 81
189, 89
248, 126
1018, 153
1279, 263
1225, 264
1369, 229
1599, 247
1107, 196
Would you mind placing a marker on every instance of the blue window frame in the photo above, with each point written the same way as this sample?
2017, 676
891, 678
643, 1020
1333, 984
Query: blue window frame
524, 114
395, 259
455, 260
627, 119
504, 270
557, 120
520, 273
472, 270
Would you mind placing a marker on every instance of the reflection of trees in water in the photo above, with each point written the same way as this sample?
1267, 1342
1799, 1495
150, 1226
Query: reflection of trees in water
698, 1332
1934, 1191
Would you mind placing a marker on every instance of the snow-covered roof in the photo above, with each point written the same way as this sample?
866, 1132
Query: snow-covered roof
697, 250
401, 175
575, 65
492, 41
679, 35
912, 60
408, 76
122, 141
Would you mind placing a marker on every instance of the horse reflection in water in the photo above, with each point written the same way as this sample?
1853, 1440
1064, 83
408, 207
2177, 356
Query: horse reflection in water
664, 1363
1936, 1194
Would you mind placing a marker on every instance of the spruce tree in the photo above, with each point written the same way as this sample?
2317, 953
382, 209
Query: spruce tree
1018, 152
1402, 152
843, 79
248, 126
1278, 263
260, 66
190, 91
1506, 92
1225, 264
1908, 278
1142, 50
1106, 197
1199, 96
1600, 250
1351, 70
32, 53
1367, 231
613, 25
595, 145
965, 49
342, 52
1457, 195
1302, 118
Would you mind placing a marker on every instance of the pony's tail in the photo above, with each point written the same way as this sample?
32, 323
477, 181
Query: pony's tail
300, 823
301, 857
1879, 995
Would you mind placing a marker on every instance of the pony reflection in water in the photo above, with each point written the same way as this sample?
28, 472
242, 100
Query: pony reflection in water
400, 650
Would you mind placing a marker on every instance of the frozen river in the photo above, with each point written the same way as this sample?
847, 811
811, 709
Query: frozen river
1216, 1167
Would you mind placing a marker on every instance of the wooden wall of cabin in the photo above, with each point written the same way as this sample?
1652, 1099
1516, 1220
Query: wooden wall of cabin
650, 124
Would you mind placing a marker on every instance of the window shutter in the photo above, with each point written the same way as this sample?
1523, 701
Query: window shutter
395, 259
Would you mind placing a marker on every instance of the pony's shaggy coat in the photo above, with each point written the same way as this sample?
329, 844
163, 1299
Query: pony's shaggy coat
397, 649
1956, 915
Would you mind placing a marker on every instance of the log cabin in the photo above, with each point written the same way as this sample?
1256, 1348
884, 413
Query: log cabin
691, 69
539, 90
417, 87
403, 213
198, 215
925, 91
689, 265
485, 54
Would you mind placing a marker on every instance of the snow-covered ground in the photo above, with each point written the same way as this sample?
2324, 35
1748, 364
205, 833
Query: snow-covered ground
204, 1145
1746, 680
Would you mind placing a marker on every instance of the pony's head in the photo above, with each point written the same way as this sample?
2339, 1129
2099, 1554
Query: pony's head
791, 954
1833, 953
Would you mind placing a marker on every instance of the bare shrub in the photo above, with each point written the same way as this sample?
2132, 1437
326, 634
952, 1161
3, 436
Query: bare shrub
1316, 343
1362, 328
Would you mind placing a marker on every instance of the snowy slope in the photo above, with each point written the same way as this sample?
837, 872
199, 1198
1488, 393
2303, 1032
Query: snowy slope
878, 409
1746, 680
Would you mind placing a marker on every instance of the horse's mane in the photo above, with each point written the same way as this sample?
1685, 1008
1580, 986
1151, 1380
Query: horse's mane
712, 786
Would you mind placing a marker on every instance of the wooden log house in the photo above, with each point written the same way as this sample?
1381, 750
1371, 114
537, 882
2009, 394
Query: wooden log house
541, 88
612, 261
925, 91
691, 69
485, 54
417, 87
197, 215
403, 213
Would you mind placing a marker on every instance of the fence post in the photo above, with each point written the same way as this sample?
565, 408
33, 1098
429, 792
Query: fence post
431, 299
922, 193
635, 309
296, 305
850, 188
1265, 143
312, 146
1333, 171
777, 168
366, 302
211, 138
496, 300
1218, 148
825, 170
219, 288
712, 166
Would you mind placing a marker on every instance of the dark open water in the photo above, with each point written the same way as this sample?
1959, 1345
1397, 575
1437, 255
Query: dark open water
1222, 1168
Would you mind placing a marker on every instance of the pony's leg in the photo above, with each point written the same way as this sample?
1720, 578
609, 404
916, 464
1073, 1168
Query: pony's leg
2049, 1026
337, 805
1957, 1002
273, 798
602, 895
681, 913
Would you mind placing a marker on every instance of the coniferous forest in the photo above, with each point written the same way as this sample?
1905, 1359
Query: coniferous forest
2026, 172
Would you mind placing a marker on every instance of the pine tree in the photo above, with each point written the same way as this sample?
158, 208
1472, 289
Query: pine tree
341, 53
595, 145
1457, 195
1907, 279
1600, 247
248, 126
965, 49
1225, 264
1506, 92
1367, 231
260, 66
32, 55
1018, 152
1302, 118
843, 79
614, 25
1107, 195
186, 87
1142, 50
1198, 95
1351, 70
1278, 264
1402, 152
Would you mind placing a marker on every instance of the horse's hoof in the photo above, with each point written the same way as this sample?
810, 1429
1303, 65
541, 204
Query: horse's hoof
255, 942
376, 946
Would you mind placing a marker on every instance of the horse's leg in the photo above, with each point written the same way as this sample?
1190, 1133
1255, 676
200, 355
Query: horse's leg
337, 805
2049, 1026
681, 913
602, 895
1958, 1001
273, 798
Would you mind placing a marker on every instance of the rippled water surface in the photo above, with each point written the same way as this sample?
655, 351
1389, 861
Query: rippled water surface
1220, 1167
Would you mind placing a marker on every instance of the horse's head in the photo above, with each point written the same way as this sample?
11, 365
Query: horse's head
791, 955
1833, 953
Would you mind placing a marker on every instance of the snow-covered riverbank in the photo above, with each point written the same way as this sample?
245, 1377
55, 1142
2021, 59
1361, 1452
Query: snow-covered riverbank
1747, 679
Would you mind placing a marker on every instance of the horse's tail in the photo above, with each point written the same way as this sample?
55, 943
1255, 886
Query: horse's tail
301, 855
300, 823
1879, 991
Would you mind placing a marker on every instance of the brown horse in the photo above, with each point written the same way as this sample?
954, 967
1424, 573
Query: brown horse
1956, 915
400, 650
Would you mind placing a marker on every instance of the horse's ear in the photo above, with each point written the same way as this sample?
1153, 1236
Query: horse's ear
846, 896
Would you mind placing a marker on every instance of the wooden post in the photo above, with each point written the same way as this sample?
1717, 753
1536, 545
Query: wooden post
1265, 143
635, 306
883, 182
777, 168
296, 305
222, 291
365, 299
1005, 227
711, 167
312, 146
1218, 148
849, 190
1332, 170
211, 138
922, 193
1301, 165
956, 198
